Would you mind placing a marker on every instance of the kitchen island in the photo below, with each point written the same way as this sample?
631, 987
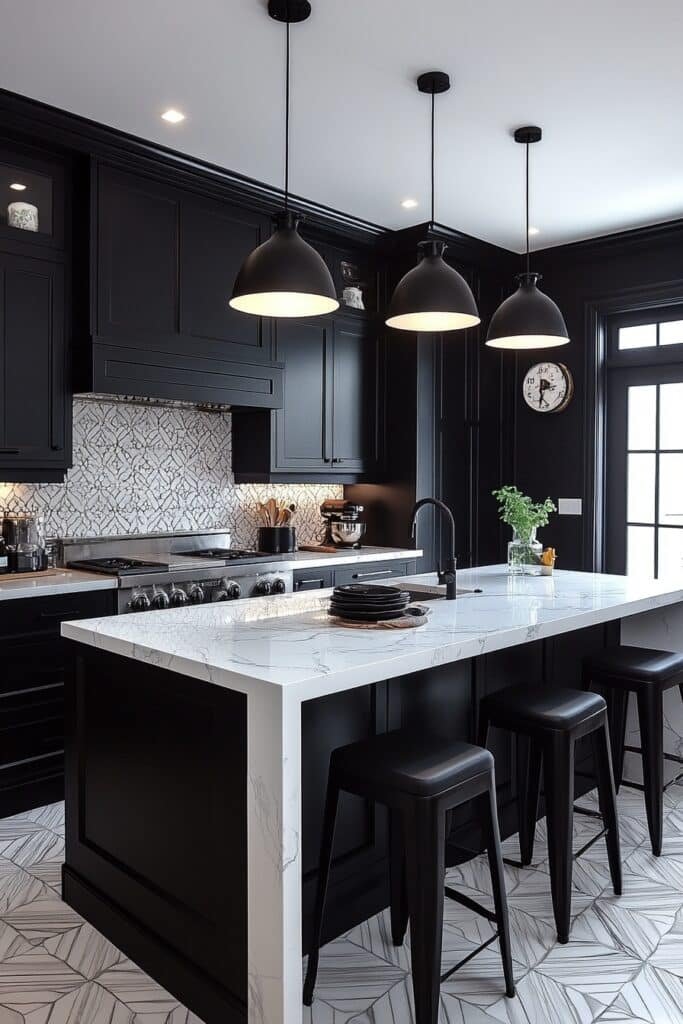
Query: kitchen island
196, 758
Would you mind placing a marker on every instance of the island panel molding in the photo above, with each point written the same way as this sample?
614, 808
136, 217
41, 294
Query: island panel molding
148, 468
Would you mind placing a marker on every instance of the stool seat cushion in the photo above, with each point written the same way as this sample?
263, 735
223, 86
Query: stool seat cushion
638, 665
539, 707
416, 763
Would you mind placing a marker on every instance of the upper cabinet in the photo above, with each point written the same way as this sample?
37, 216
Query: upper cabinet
163, 264
35, 399
326, 427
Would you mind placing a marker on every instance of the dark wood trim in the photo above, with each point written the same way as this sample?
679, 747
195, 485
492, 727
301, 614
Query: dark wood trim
596, 313
31, 119
593, 248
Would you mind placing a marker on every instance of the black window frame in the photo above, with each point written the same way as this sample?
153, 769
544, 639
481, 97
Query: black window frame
627, 368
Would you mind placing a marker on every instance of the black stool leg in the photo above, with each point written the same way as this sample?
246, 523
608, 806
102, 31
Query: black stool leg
617, 704
529, 759
492, 833
608, 803
425, 840
329, 823
558, 761
651, 722
397, 881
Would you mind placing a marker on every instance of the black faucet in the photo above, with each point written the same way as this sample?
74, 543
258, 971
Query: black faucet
446, 575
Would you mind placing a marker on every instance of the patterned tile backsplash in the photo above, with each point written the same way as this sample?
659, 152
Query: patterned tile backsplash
144, 468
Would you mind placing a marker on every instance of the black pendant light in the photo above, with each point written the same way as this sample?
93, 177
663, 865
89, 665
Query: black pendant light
285, 276
432, 296
528, 318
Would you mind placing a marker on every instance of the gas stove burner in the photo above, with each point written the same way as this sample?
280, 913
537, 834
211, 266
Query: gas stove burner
226, 554
118, 566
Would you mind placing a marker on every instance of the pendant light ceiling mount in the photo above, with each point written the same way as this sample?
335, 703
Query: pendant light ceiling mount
289, 11
285, 276
434, 82
529, 318
432, 297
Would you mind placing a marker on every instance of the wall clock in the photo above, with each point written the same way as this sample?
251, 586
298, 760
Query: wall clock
548, 387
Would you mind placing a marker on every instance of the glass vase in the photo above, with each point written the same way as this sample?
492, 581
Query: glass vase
524, 554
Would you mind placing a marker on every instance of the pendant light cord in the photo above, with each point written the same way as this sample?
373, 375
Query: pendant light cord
432, 220
287, 116
527, 208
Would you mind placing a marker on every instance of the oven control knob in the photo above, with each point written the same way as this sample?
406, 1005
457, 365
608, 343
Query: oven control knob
279, 586
159, 599
139, 602
195, 594
230, 591
263, 588
177, 597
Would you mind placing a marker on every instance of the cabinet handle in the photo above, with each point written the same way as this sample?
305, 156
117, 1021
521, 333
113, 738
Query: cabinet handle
377, 572
300, 583
9, 451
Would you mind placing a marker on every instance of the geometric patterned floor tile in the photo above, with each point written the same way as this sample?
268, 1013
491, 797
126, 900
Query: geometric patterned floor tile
84, 949
622, 965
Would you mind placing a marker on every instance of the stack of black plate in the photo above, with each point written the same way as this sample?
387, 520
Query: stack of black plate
368, 602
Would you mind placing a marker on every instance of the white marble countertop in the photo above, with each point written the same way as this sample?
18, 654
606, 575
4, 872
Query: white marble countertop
61, 581
288, 642
346, 556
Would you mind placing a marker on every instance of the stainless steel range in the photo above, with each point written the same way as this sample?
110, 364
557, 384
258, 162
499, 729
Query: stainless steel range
169, 570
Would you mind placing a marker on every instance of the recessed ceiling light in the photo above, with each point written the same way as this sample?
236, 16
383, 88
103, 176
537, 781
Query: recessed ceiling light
534, 231
173, 116
409, 204
17, 186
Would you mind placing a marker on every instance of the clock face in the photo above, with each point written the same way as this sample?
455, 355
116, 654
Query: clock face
548, 387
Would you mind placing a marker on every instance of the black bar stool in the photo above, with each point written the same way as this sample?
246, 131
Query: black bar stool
420, 778
647, 673
551, 721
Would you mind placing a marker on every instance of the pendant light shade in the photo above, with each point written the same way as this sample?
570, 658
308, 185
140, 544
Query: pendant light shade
432, 297
528, 319
285, 276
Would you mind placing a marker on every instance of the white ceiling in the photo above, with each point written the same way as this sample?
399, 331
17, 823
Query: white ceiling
604, 79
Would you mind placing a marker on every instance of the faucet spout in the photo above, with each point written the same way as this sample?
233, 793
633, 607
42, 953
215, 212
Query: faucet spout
447, 575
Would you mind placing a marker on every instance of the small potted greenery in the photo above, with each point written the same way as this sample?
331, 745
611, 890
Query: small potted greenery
524, 516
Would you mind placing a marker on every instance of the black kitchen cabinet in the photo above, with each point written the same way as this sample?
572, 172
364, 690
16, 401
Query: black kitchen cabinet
372, 572
35, 663
163, 261
364, 572
35, 385
36, 409
325, 429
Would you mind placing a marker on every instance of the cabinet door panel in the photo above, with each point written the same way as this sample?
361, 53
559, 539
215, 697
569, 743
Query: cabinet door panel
215, 239
303, 426
137, 257
351, 397
32, 369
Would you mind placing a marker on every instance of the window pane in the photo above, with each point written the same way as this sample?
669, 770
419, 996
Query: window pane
670, 554
671, 333
642, 336
671, 416
640, 503
671, 490
642, 416
640, 551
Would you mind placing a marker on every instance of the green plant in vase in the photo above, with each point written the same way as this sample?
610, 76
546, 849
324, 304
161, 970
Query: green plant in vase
524, 516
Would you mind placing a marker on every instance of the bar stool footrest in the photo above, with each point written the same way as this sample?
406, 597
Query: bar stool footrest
470, 904
676, 758
448, 974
